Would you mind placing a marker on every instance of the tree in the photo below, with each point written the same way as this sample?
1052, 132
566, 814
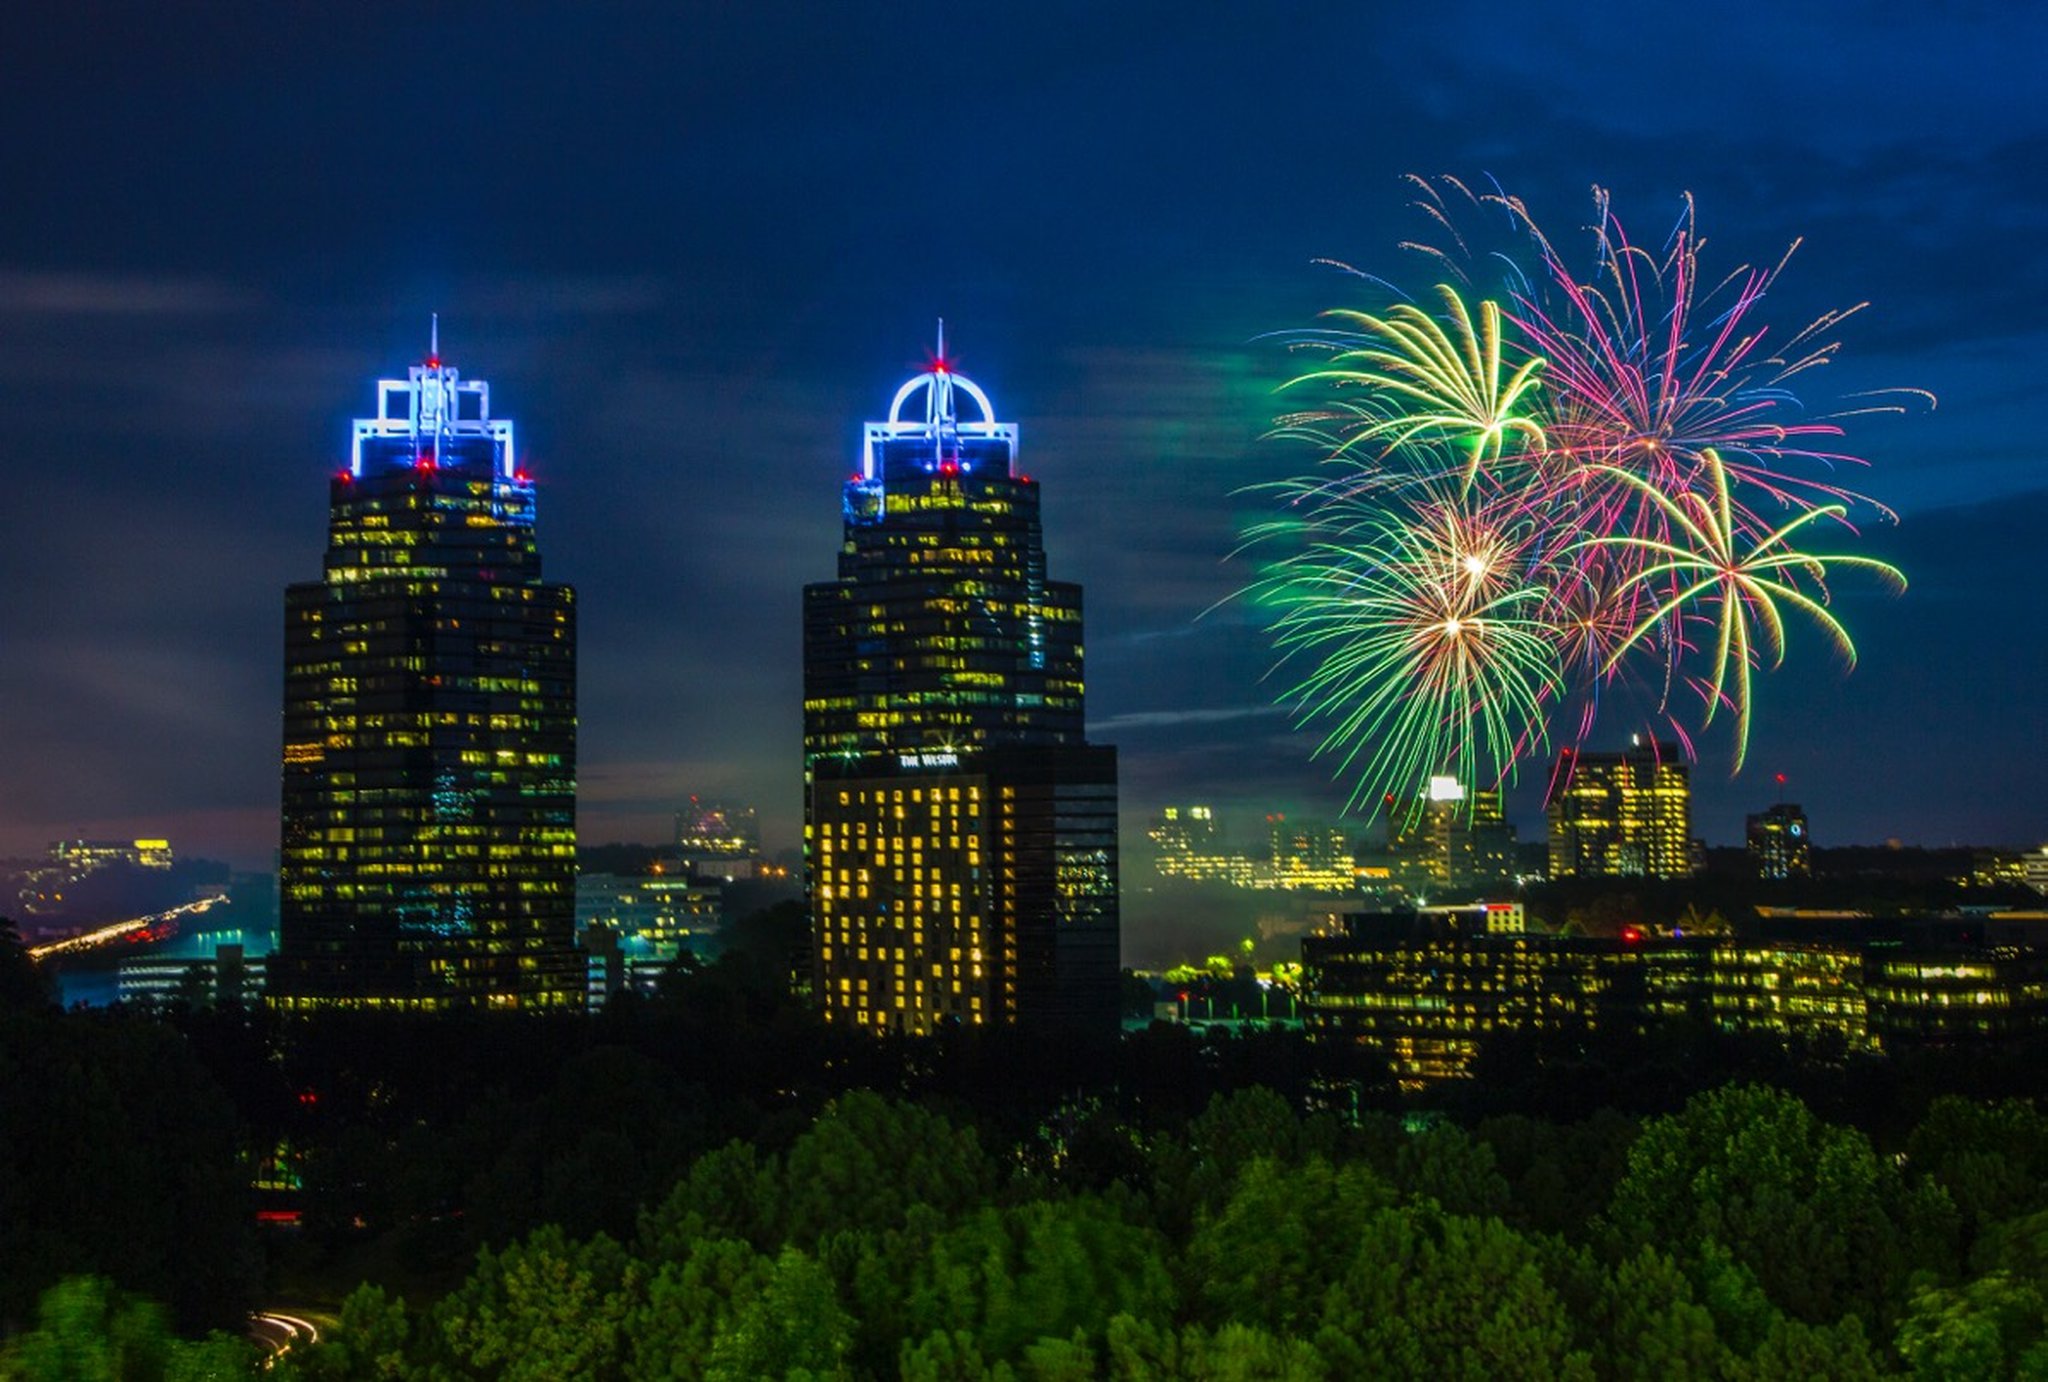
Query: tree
123, 1160
1991, 1158
1282, 1240
24, 985
1439, 1296
1143, 1351
867, 1161
543, 1308
690, 1301
1649, 1325
87, 1330
373, 1339
1047, 1269
1827, 1226
794, 1328
1446, 1164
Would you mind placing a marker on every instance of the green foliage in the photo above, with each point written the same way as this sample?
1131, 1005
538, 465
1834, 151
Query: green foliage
690, 1300
372, 1340
1430, 1295
1991, 1158
1059, 1268
1282, 1241
867, 1161
1450, 1166
1828, 1227
543, 1308
86, 1330
729, 1193
122, 1160
1144, 1352
1649, 1325
792, 1328
1992, 1326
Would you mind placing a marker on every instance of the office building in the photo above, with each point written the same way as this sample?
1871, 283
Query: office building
1308, 856
1189, 847
429, 822
717, 831
1450, 840
1427, 990
1621, 815
1779, 846
960, 832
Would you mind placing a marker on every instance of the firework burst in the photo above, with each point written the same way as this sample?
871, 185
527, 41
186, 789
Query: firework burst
1536, 490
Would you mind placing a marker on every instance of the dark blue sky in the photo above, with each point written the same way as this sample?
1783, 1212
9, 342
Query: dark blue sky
693, 248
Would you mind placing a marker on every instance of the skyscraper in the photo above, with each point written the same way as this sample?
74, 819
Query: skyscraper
1778, 843
1621, 815
960, 830
429, 840
1450, 840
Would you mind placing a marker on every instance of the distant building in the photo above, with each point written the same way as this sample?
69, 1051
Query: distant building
1309, 855
1450, 840
1189, 842
429, 819
1427, 990
42, 885
2034, 869
1621, 815
1779, 845
715, 830
1997, 868
84, 856
634, 926
657, 915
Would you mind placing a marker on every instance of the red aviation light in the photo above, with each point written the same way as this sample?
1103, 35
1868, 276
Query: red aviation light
1631, 935
949, 467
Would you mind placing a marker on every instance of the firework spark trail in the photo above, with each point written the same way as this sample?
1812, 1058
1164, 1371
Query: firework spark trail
1426, 640
1529, 492
1735, 578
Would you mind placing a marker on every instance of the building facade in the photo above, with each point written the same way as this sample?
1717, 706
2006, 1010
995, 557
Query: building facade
429, 816
1450, 840
960, 832
1427, 990
1621, 815
1779, 845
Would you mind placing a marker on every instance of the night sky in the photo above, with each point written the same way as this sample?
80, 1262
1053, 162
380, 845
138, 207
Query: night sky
693, 248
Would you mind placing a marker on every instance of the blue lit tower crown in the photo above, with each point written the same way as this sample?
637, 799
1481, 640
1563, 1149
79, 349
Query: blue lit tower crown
428, 852
960, 831
942, 632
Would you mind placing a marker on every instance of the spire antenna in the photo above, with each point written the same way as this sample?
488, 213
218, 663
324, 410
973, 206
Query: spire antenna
942, 340
434, 339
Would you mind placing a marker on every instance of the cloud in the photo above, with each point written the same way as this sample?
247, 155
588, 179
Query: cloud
1140, 720
28, 292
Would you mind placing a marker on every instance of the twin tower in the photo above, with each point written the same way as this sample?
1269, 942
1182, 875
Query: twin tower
960, 831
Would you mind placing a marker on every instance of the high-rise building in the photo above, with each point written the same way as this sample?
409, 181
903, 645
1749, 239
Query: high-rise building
1621, 815
1779, 845
429, 841
1189, 842
1308, 855
717, 830
1451, 839
960, 832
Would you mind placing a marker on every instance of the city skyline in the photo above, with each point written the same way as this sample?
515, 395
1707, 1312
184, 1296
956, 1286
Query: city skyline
681, 331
